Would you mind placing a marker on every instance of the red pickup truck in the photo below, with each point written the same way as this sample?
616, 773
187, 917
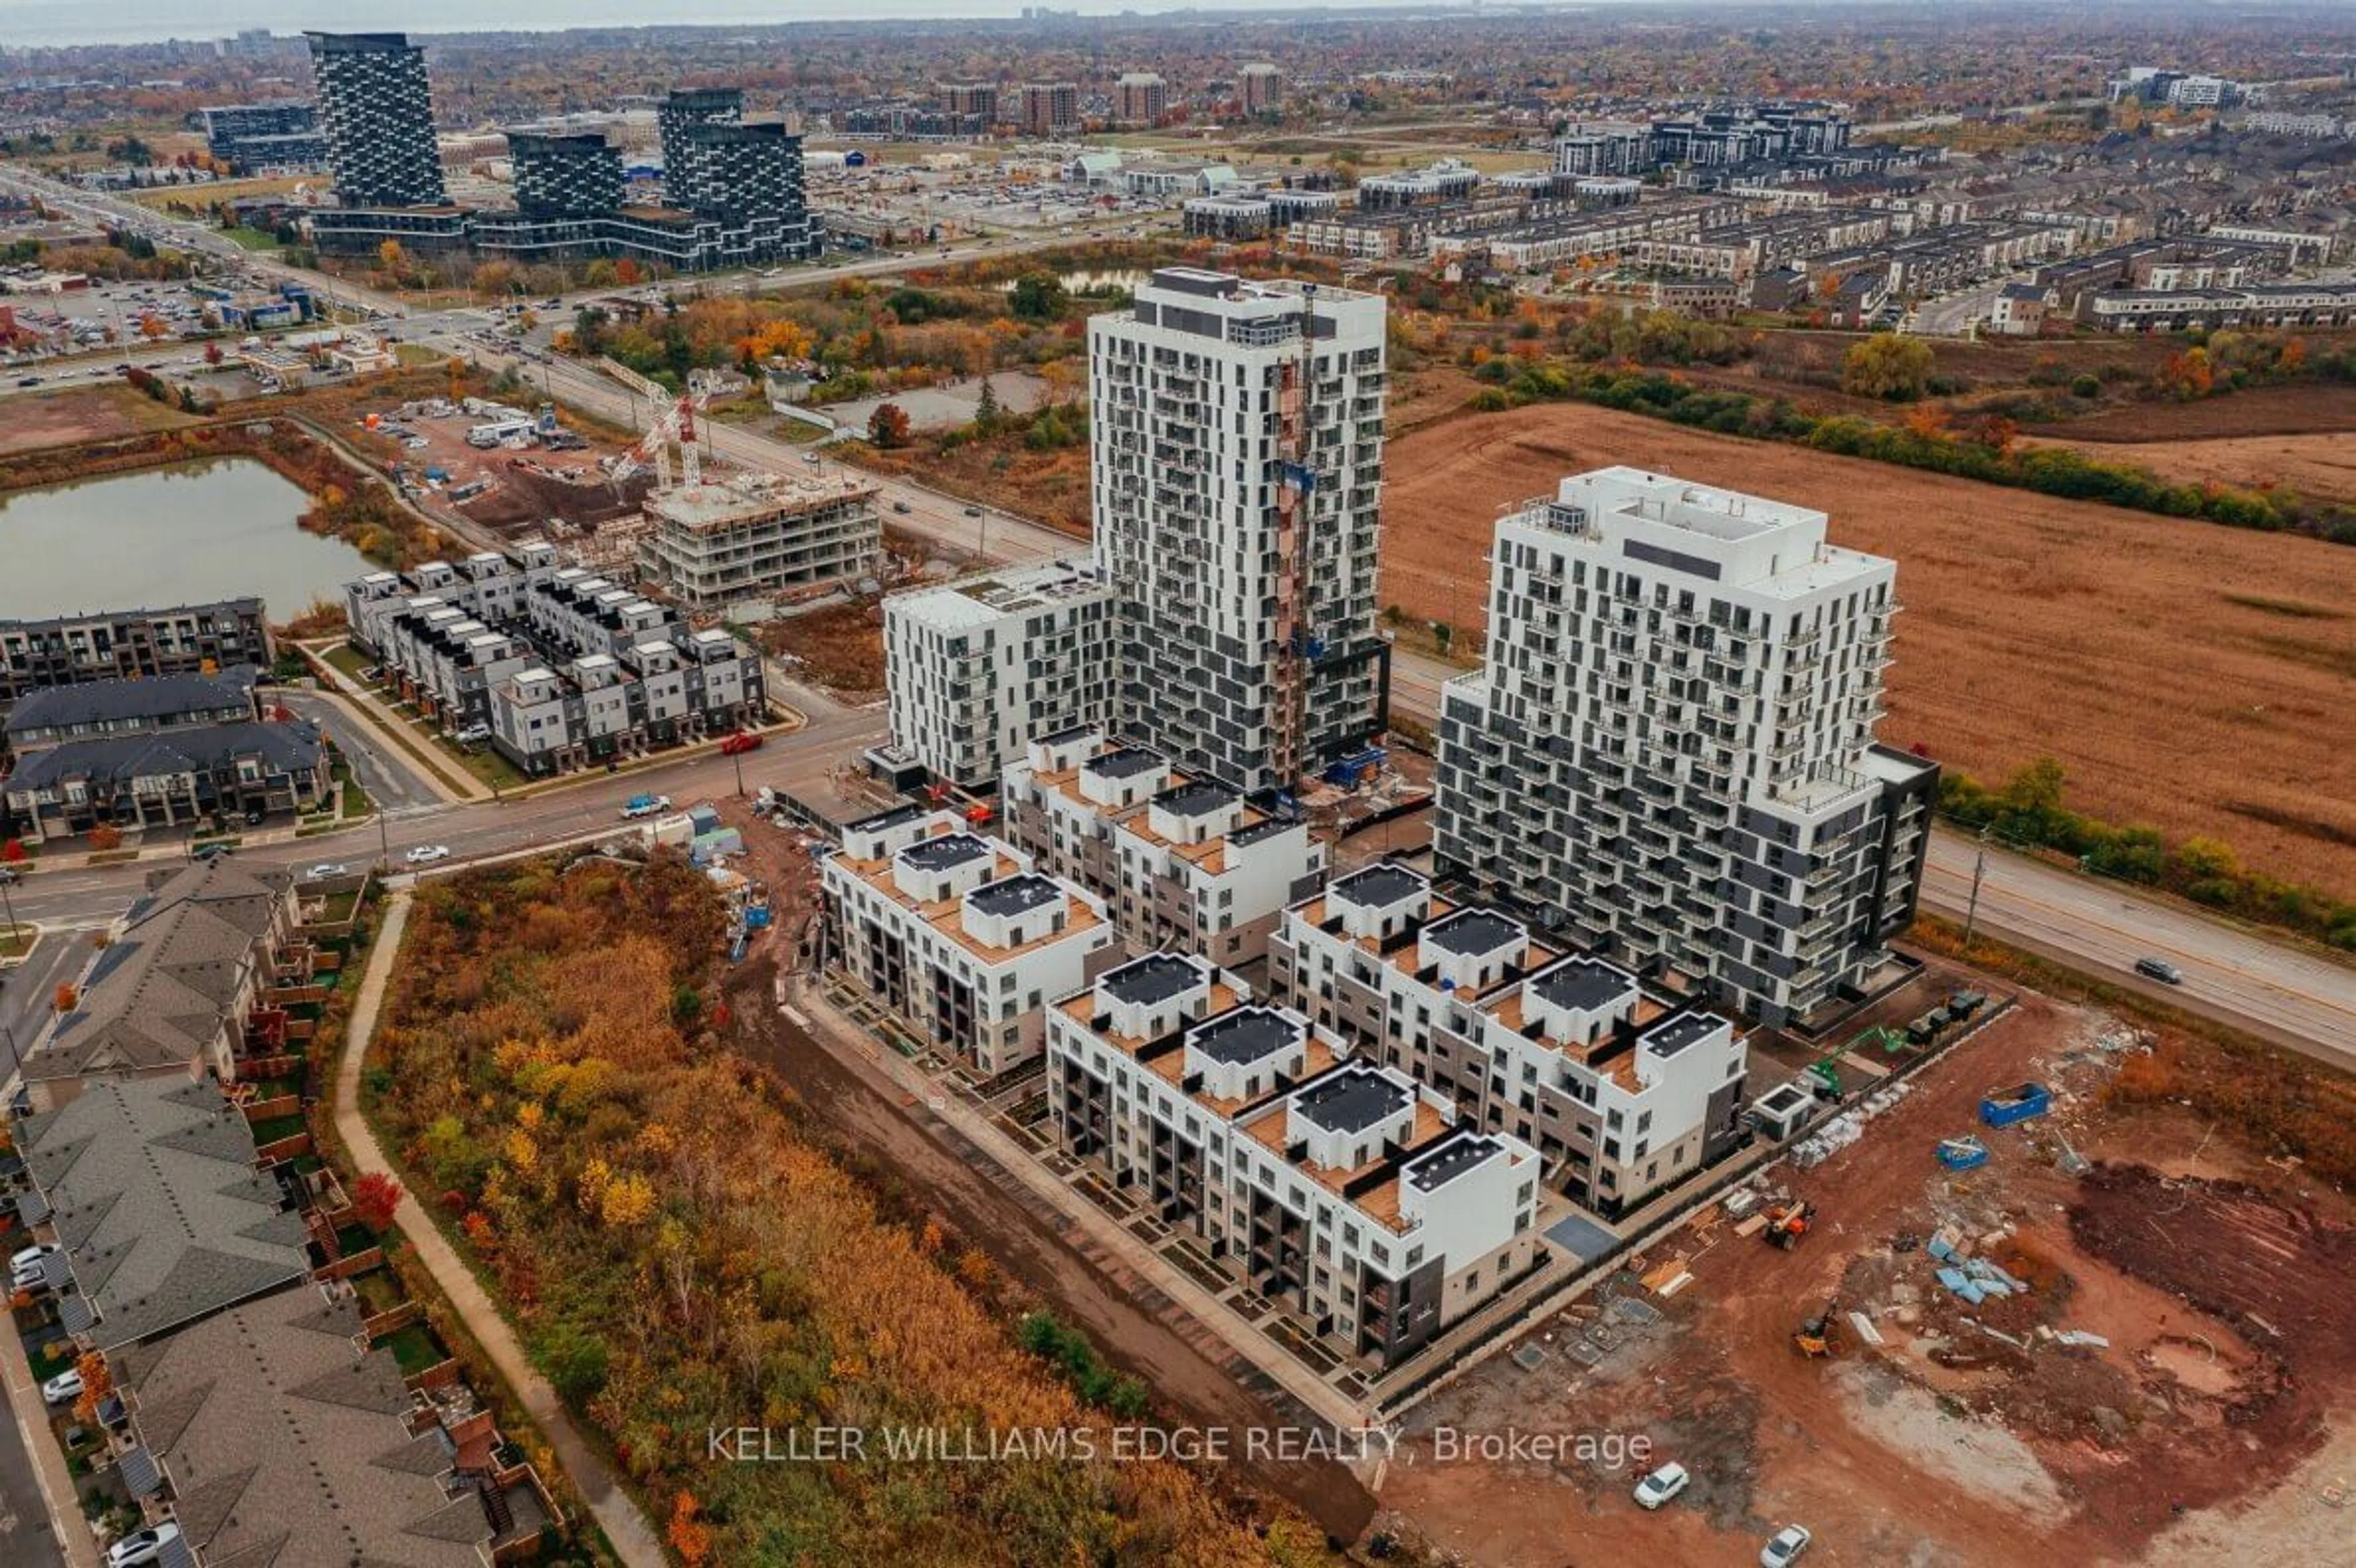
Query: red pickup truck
737, 745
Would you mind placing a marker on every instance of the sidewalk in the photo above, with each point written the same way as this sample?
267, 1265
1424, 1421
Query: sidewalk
75, 1544
633, 1539
1235, 1332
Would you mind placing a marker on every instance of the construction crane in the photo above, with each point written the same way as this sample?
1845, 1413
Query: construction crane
1819, 1336
1295, 492
1788, 1223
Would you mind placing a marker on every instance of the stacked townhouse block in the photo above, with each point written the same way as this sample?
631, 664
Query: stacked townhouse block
958, 935
557, 668
1182, 863
1337, 1188
1623, 1090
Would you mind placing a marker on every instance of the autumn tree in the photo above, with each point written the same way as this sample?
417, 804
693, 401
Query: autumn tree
690, 1537
376, 1198
887, 427
105, 836
1887, 365
392, 257
2190, 374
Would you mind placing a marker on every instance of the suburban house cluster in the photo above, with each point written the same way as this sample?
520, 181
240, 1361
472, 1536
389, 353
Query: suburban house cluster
198, 1257
554, 666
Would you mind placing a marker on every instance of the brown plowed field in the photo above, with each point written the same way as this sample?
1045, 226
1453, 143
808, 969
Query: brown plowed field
2189, 675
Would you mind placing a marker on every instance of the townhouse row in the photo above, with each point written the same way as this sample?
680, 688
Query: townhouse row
556, 668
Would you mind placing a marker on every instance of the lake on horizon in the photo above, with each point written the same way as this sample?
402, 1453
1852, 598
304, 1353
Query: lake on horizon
186, 534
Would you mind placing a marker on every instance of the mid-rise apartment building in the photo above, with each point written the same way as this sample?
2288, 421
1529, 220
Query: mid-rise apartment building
259, 138
378, 118
555, 666
976, 668
1261, 89
975, 98
1051, 107
1437, 184
1237, 439
1181, 862
1141, 98
1358, 1202
121, 644
576, 175
754, 537
1670, 752
1603, 148
1623, 1091
958, 935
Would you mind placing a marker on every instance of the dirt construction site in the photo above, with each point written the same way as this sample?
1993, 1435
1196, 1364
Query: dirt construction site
2201, 672
2127, 1337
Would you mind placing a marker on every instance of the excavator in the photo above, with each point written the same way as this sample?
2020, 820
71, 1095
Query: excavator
1819, 1336
1787, 1224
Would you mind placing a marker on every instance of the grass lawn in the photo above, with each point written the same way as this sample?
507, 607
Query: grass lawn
15, 941
348, 658
415, 1348
250, 238
269, 1130
483, 763
356, 1238
379, 1291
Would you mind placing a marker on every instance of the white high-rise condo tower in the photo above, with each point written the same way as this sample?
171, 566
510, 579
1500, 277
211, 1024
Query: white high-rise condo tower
1236, 435
1670, 753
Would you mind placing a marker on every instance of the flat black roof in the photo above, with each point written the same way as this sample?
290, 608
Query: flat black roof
1584, 984
1254, 832
1126, 762
1451, 1161
1197, 797
1379, 887
1156, 977
1015, 894
1672, 1035
1242, 1035
1072, 734
1352, 1102
948, 849
1471, 931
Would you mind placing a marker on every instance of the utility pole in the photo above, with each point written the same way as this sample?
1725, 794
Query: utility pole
1971, 910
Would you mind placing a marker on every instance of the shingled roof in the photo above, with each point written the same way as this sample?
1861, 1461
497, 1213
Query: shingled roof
154, 1194
115, 760
157, 995
146, 702
285, 1447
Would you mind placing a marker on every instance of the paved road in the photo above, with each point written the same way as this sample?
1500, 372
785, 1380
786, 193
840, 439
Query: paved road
26, 991
391, 780
2283, 994
800, 762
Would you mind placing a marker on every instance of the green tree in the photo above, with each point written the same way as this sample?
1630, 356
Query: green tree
1038, 297
1888, 366
985, 409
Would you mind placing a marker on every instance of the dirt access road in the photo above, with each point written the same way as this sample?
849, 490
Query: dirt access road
2189, 675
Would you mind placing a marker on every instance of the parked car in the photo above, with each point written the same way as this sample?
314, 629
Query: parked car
1662, 1485
10, 876
323, 870
473, 735
426, 854
214, 852
645, 805
63, 1389
141, 1546
737, 745
2159, 969
1785, 1547
26, 1264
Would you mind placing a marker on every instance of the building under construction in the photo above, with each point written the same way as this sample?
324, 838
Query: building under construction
744, 542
